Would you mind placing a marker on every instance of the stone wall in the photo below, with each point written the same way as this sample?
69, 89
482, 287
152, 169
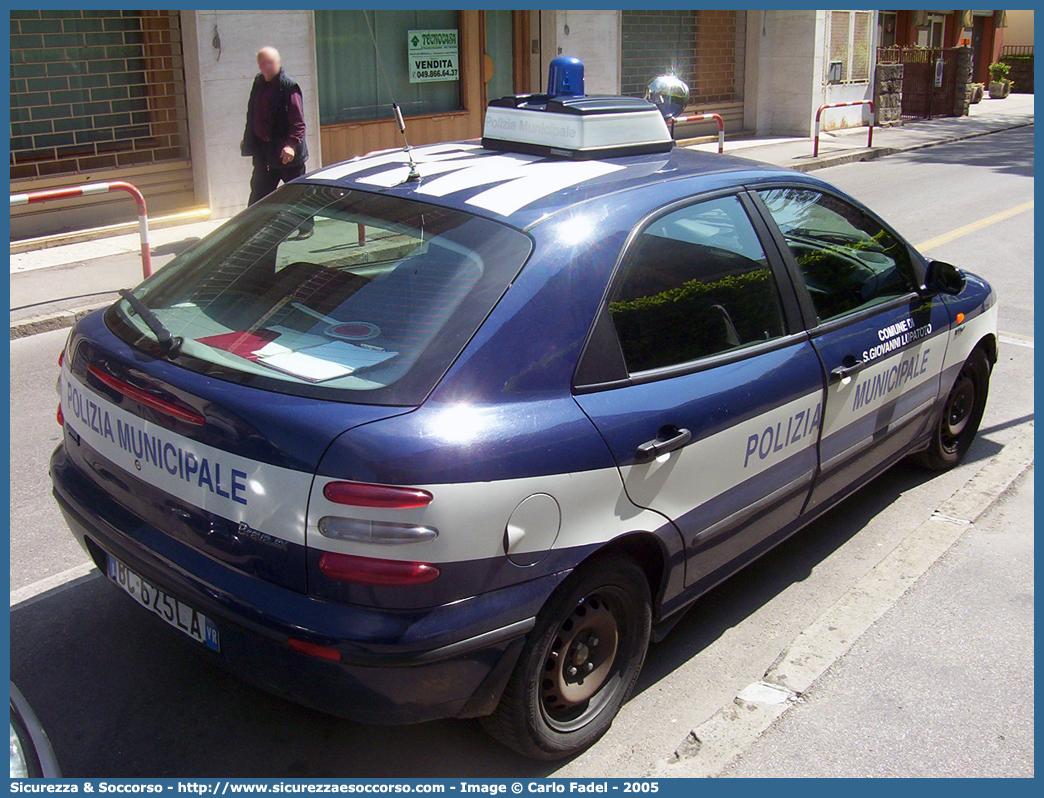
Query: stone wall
962, 94
888, 94
1021, 72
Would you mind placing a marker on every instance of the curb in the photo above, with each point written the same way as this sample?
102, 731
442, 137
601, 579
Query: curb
873, 153
109, 231
52, 321
719, 740
853, 156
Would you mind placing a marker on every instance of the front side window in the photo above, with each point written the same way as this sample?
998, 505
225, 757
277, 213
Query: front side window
695, 283
847, 259
323, 291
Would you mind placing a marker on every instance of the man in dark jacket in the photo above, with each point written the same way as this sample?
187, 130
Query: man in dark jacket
275, 128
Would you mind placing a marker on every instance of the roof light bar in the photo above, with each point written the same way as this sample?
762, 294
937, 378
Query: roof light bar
565, 123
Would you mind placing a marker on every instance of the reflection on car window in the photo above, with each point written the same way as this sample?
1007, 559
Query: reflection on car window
848, 261
318, 286
696, 283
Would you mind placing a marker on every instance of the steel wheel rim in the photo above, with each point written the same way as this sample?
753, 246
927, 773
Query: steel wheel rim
958, 411
579, 678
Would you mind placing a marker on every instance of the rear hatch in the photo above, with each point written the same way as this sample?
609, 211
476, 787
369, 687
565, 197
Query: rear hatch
204, 400
227, 472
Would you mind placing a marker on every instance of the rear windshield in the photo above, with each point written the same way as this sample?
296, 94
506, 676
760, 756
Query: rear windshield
322, 291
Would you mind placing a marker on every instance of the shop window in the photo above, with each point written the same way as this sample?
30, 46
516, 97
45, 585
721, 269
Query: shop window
358, 81
500, 48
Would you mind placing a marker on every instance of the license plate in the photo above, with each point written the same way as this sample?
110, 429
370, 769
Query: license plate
177, 613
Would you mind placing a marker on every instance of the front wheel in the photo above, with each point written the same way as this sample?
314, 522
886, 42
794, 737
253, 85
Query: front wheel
579, 663
960, 417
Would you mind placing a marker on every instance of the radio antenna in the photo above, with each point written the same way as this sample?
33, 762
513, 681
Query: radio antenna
413, 175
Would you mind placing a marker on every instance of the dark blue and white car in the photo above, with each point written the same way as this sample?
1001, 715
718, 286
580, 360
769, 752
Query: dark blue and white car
454, 432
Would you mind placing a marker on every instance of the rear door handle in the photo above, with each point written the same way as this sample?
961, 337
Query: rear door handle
650, 450
848, 367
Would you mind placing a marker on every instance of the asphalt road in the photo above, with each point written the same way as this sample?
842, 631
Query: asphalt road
121, 695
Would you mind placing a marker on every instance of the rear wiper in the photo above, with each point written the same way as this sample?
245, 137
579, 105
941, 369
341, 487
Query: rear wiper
168, 343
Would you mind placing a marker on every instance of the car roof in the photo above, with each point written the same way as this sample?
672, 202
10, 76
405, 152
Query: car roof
520, 189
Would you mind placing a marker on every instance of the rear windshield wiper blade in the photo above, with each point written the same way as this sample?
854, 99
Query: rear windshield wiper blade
168, 342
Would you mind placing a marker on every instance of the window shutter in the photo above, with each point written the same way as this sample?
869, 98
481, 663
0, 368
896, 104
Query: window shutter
861, 36
840, 22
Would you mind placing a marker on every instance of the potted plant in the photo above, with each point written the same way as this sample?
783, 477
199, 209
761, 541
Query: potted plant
977, 90
1000, 86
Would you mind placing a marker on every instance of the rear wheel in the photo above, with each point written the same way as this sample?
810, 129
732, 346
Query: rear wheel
579, 663
961, 415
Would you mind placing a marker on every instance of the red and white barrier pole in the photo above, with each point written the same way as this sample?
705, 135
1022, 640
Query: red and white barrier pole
822, 108
99, 188
702, 118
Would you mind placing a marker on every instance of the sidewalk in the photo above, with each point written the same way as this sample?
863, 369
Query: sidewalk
51, 288
846, 146
914, 699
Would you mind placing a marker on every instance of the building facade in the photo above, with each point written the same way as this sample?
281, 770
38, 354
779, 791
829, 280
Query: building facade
158, 98
99, 94
983, 31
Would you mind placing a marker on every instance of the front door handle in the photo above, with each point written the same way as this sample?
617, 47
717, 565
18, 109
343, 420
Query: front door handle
669, 439
848, 367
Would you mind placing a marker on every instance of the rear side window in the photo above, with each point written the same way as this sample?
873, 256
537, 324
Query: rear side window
847, 259
695, 283
323, 291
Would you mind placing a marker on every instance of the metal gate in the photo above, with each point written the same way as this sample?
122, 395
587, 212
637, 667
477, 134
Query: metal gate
922, 97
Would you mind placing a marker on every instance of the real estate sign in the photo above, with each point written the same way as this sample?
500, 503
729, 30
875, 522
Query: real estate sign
433, 55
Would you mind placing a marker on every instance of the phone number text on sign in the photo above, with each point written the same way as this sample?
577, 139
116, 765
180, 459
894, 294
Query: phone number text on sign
433, 55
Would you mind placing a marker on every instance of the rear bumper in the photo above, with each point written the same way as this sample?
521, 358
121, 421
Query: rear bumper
397, 666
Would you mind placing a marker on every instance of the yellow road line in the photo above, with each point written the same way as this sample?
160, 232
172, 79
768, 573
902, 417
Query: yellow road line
946, 238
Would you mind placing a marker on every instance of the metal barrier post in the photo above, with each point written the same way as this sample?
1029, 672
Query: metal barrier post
701, 118
819, 113
99, 188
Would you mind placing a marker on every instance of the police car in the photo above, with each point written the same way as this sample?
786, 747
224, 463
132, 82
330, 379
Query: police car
456, 431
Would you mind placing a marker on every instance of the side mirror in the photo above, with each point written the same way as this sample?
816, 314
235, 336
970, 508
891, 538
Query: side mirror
943, 278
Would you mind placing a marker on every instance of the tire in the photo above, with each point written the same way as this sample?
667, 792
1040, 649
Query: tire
960, 417
598, 623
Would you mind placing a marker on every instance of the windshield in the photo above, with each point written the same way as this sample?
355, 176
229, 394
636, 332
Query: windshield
323, 291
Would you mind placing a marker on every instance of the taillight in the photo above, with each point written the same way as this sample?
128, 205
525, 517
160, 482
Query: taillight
362, 494
372, 571
144, 397
360, 530
60, 416
61, 357
314, 650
